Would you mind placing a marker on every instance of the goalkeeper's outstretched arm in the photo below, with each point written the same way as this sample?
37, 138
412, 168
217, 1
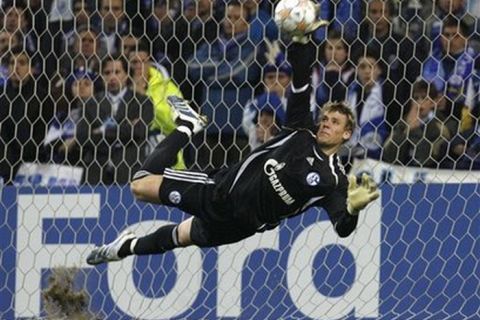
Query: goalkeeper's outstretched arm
344, 212
301, 57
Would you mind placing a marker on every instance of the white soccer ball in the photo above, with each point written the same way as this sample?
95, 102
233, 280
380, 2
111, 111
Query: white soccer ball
295, 16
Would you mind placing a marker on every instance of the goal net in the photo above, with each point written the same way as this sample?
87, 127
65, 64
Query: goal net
83, 87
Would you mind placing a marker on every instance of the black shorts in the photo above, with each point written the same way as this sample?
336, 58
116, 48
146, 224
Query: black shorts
196, 193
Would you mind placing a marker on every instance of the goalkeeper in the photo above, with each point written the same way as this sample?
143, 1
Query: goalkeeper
296, 170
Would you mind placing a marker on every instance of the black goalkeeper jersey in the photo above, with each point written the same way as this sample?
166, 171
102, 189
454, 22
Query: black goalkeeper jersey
285, 177
289, 174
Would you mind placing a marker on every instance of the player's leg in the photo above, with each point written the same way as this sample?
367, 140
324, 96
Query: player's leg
189, 191
147, 186
164, 239
193, 231
146, 182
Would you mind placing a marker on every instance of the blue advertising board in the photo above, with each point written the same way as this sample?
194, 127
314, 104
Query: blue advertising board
415, 254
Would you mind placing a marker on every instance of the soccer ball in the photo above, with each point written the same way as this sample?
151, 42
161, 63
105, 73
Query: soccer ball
295, 16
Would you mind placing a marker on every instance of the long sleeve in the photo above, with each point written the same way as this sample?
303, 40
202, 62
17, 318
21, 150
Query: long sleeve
336, 206
346, 224
301, 57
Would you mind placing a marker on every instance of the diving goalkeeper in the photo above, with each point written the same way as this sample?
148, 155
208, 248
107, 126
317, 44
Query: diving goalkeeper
296, 170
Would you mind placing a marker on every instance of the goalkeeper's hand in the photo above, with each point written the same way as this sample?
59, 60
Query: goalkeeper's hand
360, 196
310, 28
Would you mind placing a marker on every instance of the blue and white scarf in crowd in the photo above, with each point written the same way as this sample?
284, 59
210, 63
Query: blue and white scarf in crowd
371, 130
62, 127
267, 101
459, 85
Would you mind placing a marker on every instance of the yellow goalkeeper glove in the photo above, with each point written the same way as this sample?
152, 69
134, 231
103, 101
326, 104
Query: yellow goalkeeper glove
360, 196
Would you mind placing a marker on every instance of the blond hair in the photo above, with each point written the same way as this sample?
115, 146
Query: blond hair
341, 108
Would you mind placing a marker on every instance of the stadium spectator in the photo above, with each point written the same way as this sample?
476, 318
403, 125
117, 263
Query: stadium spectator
153, 80
191, 32
228, 73
139, 12
421, 139
113, 132
265, 114
52, 22
82, 85
16, 21
400, 58
128, 43
60, 144
84, 53
115, 24
8, 40
268, 115
424, 18
61, 24
262, 24
58, 92
25, 111
365, 97
465, 149
411, 20
443, 9
83, 18
140, 63
159, 28
336, 72
38, 15
82, 12
345, 16
452, 71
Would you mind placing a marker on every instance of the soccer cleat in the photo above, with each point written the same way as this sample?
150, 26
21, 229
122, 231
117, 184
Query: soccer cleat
109, 252
183, 112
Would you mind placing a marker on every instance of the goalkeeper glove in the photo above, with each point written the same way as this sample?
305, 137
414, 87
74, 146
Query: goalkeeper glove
305, 38
360, 196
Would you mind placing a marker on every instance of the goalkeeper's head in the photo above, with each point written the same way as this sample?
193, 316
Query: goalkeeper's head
335, 127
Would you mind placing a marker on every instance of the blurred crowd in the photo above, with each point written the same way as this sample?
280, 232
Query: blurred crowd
84, 83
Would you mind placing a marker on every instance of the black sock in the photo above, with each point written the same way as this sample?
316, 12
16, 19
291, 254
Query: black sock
165, 153
125, 249
187, 124
162, 240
